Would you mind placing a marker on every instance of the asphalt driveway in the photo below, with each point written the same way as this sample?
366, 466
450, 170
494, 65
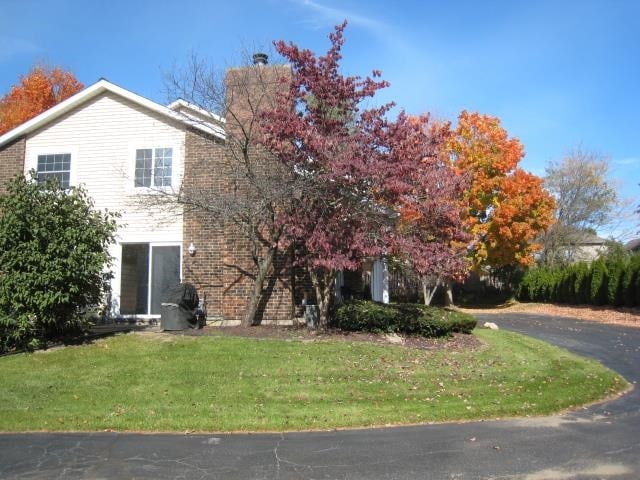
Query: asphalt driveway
599, 442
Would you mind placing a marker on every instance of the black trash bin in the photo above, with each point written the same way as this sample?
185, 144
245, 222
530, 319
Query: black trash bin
180, 308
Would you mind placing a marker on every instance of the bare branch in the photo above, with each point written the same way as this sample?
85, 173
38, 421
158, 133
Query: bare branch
585, 202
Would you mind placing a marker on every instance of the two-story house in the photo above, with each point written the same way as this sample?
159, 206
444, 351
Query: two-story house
124, 148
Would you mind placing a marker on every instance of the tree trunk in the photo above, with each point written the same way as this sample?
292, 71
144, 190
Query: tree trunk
429, 288
323, 283
264, 266
448, 296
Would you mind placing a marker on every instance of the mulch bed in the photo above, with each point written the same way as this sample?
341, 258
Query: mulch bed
457, 342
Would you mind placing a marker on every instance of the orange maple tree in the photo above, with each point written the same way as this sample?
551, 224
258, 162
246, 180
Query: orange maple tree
37, 91
507, 207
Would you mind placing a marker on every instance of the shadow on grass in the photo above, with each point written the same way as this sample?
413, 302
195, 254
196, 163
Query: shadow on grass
87, 335
96, 332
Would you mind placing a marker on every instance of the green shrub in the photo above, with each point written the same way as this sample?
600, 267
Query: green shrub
550, 285
566, 292
528, 288
599, 282
615, 273
544, 285
538, 282
522, 292
629, 281
636, 288
53, 254
610, 280
582, 285
406, 318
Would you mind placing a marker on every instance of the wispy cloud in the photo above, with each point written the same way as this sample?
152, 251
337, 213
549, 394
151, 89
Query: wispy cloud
627, 161
13, 46
321, 16
326, 15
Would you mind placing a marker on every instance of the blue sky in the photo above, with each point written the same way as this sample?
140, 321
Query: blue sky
558, 73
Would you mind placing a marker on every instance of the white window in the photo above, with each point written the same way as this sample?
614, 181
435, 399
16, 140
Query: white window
54, 166
153, 167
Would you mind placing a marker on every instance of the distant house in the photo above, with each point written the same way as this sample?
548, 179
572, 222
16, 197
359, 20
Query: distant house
633, 245
571, 246
124, 148
586, 247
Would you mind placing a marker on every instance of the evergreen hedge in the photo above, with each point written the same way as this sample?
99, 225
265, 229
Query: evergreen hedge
613, 280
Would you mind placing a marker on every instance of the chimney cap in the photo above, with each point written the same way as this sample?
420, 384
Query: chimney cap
260, 58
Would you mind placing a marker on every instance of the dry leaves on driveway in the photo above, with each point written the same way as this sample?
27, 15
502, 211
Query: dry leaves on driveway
620, 316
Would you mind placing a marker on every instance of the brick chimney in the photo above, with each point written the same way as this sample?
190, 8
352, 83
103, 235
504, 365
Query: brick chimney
221, 262
250, 90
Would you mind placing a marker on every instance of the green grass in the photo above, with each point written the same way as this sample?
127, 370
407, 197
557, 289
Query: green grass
173, 383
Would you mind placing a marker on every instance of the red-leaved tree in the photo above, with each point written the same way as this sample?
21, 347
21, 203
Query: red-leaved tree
431, 231
364, 175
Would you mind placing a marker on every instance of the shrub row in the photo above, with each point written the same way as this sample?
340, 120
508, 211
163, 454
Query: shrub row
606, 281
406, 318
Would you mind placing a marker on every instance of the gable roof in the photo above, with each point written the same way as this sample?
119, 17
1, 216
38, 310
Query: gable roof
102, 86
588, 238
633, 245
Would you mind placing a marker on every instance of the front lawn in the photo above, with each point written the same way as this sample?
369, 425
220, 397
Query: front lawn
175, 383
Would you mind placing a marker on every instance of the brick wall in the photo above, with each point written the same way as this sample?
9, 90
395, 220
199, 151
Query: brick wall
239, 268
222, 267
203, 159
11, 161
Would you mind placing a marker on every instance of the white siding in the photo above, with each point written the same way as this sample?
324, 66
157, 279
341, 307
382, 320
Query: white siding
102, 137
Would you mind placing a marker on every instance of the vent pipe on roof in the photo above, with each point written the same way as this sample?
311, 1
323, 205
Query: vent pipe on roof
260, 58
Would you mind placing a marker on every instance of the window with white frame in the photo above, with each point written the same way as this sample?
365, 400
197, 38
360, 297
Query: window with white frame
55, 166
153, 167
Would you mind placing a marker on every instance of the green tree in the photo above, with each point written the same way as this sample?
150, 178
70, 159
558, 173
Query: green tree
53, 260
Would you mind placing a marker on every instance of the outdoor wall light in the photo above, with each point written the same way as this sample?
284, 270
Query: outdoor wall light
191, 249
